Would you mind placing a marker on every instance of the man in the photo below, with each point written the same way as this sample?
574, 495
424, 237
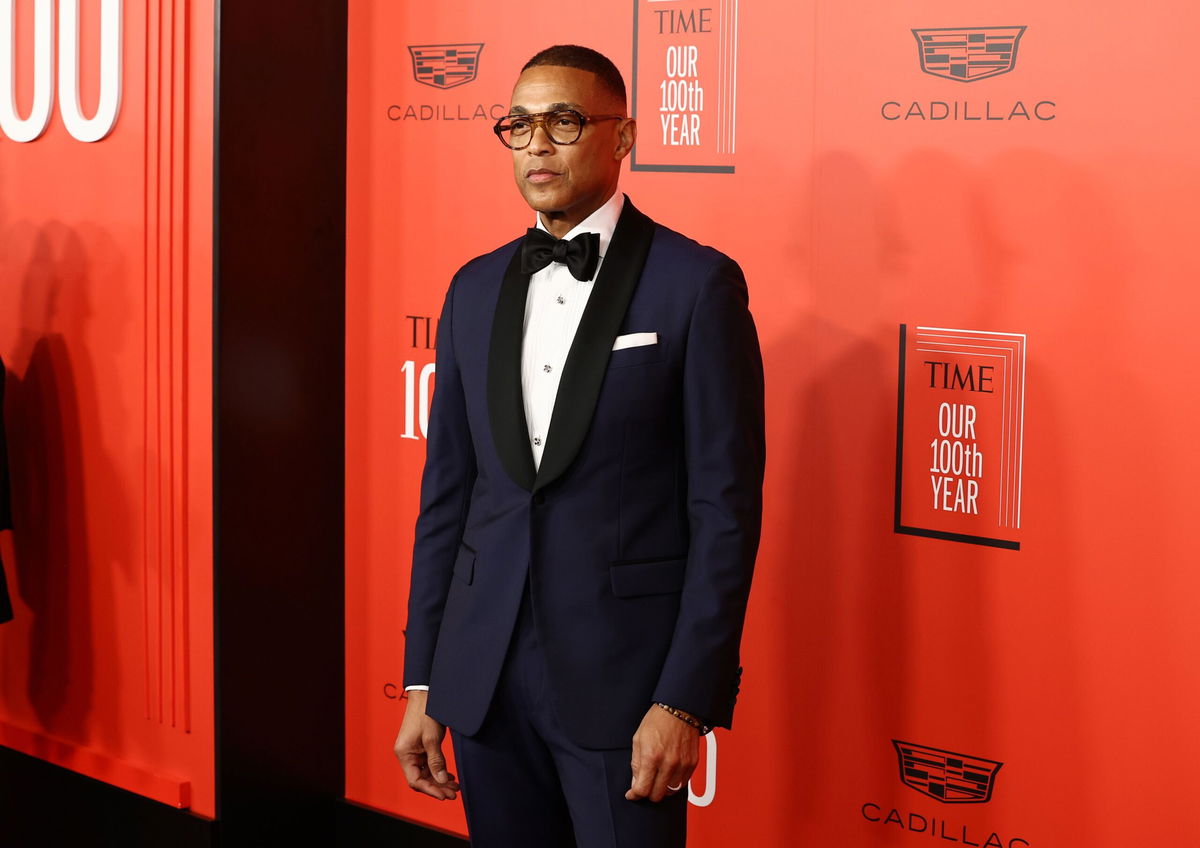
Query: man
591, 500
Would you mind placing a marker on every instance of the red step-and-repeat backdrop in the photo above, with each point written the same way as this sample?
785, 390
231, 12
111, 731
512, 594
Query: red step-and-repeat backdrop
106, 126
969, 239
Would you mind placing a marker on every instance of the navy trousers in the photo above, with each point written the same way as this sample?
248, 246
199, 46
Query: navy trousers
526, 785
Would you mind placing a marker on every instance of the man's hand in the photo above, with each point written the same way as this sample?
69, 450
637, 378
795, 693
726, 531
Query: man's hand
665, 753
419, 749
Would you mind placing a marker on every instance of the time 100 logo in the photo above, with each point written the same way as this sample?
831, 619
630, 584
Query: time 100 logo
84, 129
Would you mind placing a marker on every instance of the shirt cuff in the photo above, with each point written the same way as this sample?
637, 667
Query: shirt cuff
418, 687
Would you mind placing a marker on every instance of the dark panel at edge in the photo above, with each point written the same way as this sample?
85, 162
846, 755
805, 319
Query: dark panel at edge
278, 356
45, 804
359, 825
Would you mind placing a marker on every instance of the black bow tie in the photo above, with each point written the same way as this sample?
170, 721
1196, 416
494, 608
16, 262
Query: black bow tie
581, 254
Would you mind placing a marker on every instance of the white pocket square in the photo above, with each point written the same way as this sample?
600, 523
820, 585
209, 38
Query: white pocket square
635, 340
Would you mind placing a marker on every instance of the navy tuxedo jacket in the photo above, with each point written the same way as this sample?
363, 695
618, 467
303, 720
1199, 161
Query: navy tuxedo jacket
638, 533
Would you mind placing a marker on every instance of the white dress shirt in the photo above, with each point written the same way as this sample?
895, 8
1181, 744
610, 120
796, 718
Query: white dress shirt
553, 307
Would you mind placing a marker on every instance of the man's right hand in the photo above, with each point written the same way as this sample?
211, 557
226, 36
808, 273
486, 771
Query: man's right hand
419, 749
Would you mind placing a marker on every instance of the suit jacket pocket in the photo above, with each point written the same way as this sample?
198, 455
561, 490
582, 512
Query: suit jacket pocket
639, 355
649, 577
464, 565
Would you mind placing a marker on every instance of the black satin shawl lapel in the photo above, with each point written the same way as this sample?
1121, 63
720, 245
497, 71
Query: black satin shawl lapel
587, 360
506, 406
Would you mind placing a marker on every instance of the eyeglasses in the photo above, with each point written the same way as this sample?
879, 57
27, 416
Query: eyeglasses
562, 126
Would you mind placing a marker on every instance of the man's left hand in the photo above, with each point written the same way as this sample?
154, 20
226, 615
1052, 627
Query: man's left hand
665, 752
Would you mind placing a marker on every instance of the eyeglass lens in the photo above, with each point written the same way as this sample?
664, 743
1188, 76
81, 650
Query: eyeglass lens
562, 127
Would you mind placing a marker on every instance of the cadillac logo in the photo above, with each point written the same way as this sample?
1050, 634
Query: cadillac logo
949, 777
445, 65
968, 54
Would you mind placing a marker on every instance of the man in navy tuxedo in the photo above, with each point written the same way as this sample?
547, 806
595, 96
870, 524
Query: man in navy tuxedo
591, 500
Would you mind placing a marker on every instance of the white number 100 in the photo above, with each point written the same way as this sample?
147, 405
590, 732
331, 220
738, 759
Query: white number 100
416, 399
32, 127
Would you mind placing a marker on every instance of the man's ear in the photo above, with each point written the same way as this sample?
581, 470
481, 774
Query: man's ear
626, 136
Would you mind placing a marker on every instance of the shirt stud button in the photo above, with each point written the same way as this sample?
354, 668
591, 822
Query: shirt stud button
537, 440
547, 368
561, 299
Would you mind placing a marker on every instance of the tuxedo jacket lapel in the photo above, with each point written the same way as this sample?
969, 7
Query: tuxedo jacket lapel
506, 406
587, 360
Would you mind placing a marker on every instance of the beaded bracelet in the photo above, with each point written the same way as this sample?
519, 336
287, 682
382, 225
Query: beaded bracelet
691, 721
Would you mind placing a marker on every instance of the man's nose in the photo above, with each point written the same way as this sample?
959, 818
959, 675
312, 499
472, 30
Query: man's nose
540, 142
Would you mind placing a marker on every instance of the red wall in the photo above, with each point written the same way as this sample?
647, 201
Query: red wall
1071, 659
106, 332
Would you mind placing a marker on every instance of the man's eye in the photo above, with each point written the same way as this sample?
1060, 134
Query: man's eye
519, 127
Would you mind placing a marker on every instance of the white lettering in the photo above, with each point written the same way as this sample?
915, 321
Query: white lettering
681, 61
69, 105
710, 774
418, 393
957, 420
12, 124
